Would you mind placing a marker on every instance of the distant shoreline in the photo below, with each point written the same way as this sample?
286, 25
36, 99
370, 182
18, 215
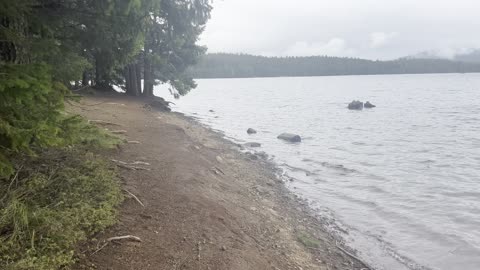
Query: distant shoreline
340, 75
249, 66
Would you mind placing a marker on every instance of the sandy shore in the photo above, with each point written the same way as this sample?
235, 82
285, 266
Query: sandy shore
206, 204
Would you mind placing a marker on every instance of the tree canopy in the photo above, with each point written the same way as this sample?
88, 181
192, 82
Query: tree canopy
50, 46
243, 66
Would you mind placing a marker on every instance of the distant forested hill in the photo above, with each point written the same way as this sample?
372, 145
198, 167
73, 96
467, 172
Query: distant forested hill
245, 66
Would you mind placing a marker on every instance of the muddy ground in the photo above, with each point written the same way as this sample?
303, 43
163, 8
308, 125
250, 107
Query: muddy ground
206, 204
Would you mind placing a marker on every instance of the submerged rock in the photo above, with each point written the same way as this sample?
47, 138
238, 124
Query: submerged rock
251, 131
253, 144
290, 137
355, 105
369, 105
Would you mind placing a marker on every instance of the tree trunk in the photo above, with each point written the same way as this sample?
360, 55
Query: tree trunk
131, 80
133, 76
85, 80
128, 88
138, 78
147, 76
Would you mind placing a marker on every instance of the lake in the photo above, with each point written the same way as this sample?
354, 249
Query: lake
401, 181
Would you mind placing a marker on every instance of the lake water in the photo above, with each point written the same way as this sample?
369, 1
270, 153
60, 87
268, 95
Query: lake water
402, 179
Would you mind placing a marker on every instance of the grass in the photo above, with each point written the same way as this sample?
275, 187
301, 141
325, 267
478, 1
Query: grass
307, 240
55, 200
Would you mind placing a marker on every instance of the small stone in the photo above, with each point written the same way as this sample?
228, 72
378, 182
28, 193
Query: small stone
224, 248
251, 131
369, 105
355, 105
253, 144
290, 137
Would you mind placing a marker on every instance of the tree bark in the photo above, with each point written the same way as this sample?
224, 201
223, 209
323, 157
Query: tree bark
148, 79
131, 80
128, 88
85, 80
138, 78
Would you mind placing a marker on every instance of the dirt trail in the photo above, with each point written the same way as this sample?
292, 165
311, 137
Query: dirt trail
207, 206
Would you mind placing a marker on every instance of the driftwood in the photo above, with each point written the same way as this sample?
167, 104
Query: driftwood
117, 238
350, 254
140, 163
105, 123
125, 237
118, 131
131, 166
134, 197
217, 170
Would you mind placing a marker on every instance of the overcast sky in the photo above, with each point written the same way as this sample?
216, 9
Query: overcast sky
374, 29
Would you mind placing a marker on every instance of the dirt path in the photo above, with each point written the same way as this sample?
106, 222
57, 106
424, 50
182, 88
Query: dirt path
207, 206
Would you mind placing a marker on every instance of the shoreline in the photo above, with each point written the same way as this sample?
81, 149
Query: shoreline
235, 213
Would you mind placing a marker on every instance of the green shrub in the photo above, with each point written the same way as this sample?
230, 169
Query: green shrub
30, 111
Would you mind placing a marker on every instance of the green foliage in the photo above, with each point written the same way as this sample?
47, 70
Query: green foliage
246, 66
30, 106
307, 240
53, 202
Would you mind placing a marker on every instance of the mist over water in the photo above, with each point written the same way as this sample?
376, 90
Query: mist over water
403, 179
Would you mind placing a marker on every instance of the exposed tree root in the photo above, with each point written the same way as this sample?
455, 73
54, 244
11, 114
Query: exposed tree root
134, 197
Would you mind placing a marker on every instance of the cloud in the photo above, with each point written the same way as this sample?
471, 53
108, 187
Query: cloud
334, 47
373, 29
381, 39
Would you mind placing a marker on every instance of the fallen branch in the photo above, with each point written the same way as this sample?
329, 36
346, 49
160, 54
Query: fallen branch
125, 237
128, 166
350, 254
135, 197
133, 168
140, 163
116, 238
218, 169
118, 131
101, 122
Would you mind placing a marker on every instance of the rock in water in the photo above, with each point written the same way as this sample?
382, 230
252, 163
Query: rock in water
251, 131
355, 105
369, 105
253, 144
290, 137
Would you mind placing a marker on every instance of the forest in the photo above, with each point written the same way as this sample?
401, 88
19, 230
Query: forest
220, 65
55, 188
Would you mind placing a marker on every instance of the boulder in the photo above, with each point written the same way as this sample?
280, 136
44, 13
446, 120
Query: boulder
160, 104
290, 137
369, 105
253, 144
251, 131
355, 105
